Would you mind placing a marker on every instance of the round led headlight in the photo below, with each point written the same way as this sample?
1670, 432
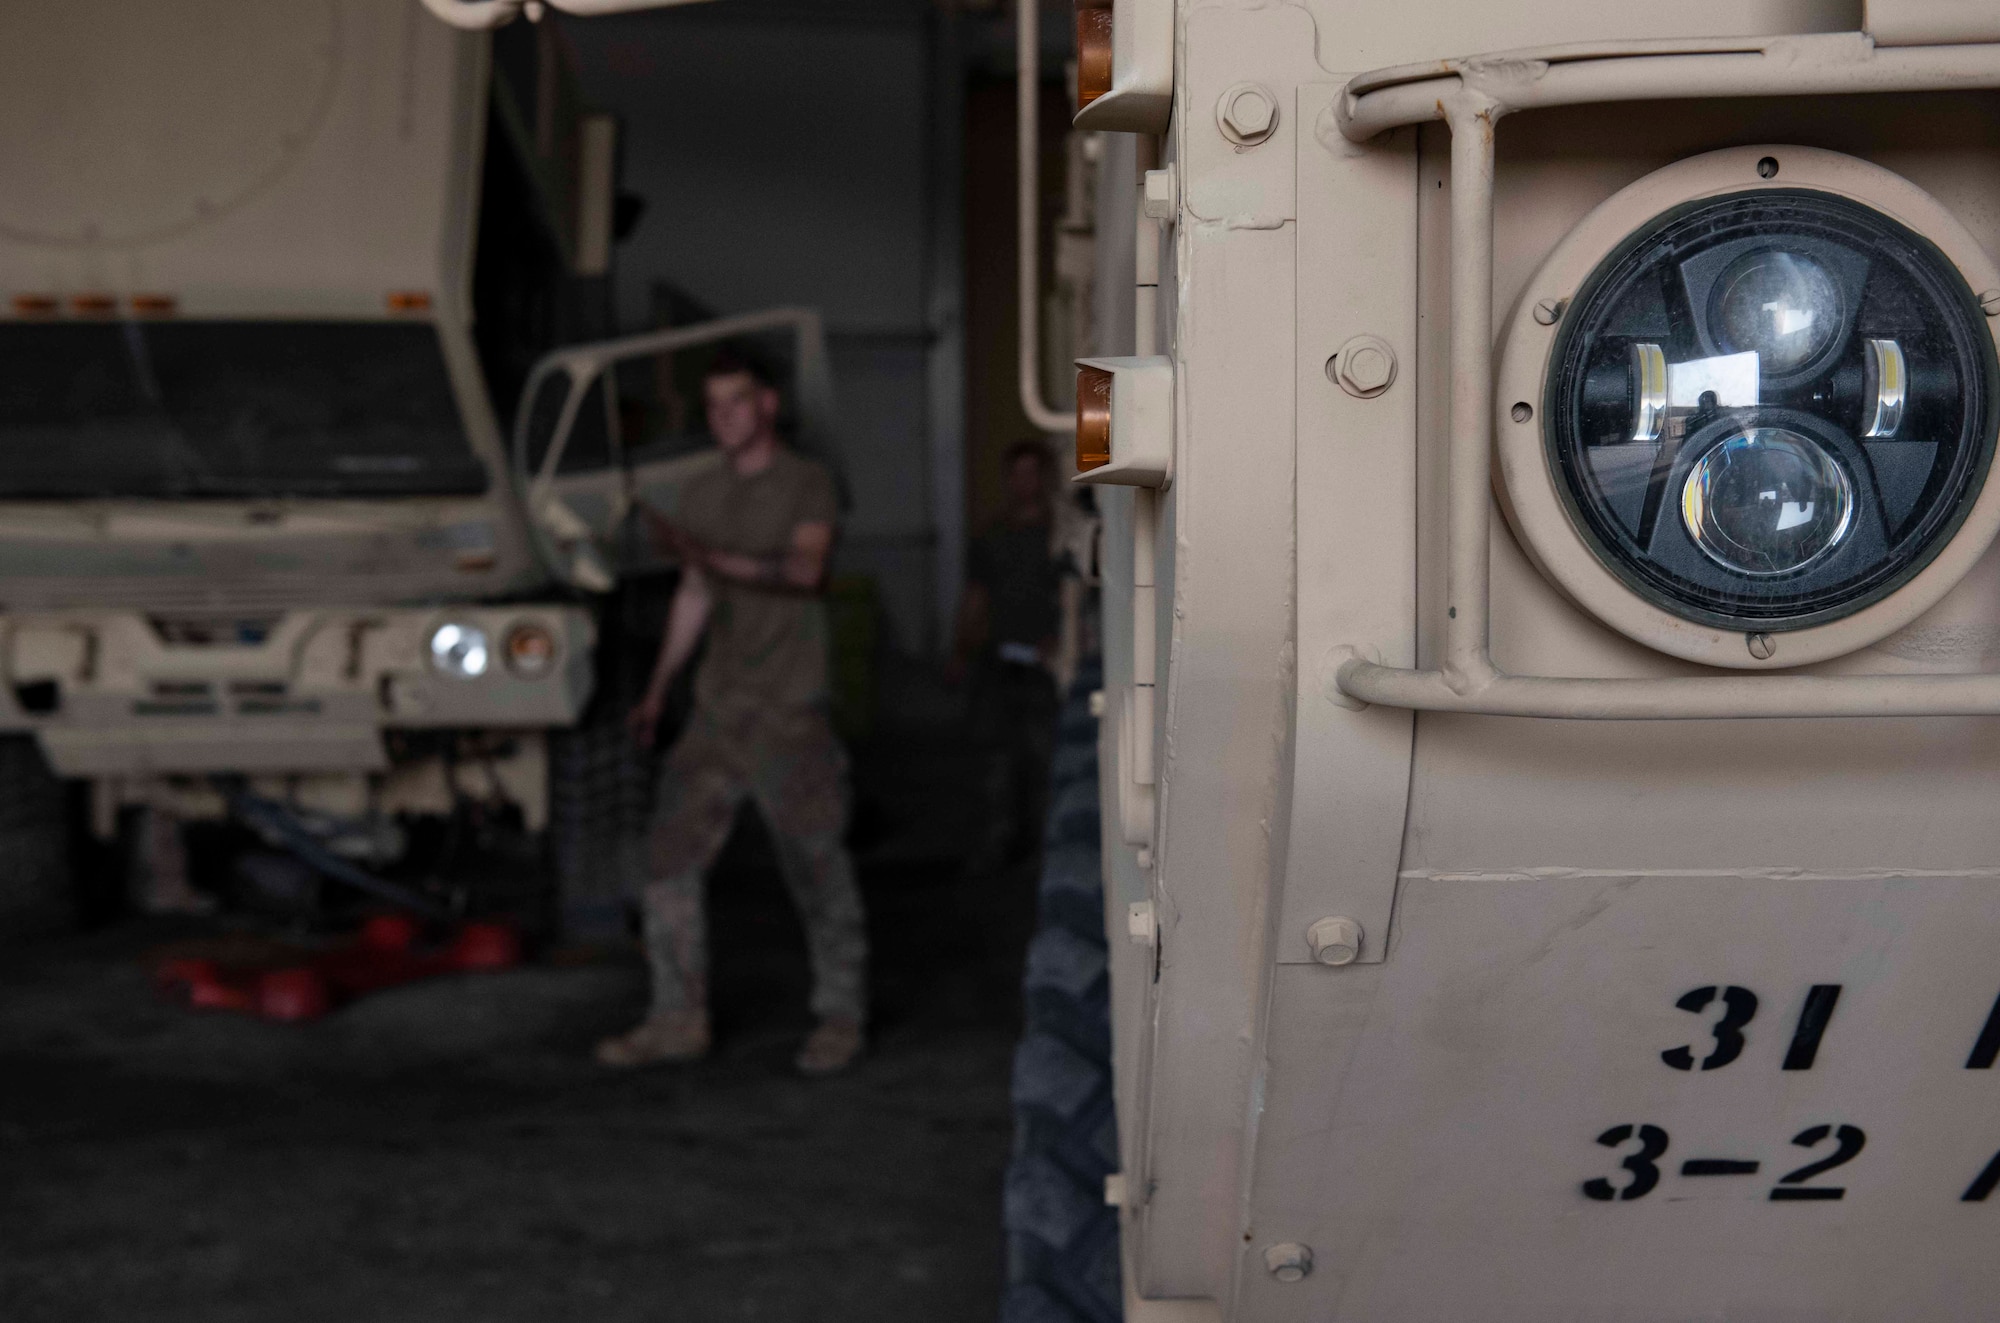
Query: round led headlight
531, 651
1767, 409
460, 650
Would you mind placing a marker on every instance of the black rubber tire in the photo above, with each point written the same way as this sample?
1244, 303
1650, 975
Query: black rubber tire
36, 896
601, 781
599, 795
1062, 1240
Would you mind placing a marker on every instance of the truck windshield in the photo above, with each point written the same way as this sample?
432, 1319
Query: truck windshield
229, 409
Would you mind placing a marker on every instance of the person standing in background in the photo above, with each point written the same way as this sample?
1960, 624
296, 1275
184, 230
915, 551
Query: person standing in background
754, 537
1009, 632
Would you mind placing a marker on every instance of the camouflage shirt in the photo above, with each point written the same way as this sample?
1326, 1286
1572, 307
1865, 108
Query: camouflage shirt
766, 647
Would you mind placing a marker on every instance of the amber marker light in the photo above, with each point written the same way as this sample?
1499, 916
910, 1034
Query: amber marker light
1093, 418
1093, 51
155, 305
531, 651
93, 305
36, 305
409, 300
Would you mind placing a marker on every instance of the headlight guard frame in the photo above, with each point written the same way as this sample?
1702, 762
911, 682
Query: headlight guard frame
1470, 95
1533, 496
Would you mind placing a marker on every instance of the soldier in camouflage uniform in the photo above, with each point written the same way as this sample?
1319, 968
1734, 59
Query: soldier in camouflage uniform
753, 536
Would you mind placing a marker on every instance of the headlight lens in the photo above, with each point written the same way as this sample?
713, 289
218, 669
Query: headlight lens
1781, 306
531, 651
1767, 501
1769, 409
460, 650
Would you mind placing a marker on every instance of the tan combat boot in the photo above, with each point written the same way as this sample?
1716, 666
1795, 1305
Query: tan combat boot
831, 1048
672, 1036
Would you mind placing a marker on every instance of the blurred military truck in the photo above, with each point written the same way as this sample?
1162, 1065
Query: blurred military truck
272, 281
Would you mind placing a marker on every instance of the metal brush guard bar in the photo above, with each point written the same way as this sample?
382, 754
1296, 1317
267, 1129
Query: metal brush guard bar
1470, 95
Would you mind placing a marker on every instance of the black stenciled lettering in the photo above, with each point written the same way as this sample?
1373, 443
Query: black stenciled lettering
1642, 1165
1982, 1184
1813, 1018
1739, 1008
1988, 1046
1719, 1167
1792, 1185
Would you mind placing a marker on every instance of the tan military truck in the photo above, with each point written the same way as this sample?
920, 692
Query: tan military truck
1548, 755
271, 277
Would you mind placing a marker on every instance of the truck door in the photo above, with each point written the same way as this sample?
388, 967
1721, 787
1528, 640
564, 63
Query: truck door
568, 462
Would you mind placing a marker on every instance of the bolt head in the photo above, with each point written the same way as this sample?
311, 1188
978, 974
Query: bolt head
1335, 940
1762, 646
1160, 193
1247, 114
1367, 368
1288, 1262
1989, 303
1364, 367
1250, 114
1549, 311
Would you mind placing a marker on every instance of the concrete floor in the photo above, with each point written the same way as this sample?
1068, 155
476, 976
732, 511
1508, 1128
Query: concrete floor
448, 1151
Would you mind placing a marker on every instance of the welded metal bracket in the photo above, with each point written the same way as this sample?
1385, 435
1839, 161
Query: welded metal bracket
1471, 95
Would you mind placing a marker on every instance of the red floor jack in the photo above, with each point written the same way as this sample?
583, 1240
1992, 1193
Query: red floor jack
384, 954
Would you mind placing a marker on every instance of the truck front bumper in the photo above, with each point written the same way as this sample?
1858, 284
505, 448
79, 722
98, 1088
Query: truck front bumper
121, 693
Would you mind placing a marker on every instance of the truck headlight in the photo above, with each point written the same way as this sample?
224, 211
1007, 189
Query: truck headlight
1767, 409
460, 650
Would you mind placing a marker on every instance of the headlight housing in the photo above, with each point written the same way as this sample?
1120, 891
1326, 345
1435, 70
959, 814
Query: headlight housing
1767, 409
460, 650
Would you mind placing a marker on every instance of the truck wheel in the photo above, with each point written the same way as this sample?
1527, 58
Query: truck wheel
35, 895
1062, 1241
599, 797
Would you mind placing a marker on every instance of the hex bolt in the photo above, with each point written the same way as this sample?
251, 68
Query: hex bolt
1989, 303
1335, 940
1141, 923
1364, 367
1289, 1262
1762, 646
1549, 311
1161, 198
1247, 114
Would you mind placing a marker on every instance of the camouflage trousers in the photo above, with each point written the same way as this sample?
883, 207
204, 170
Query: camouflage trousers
790, 765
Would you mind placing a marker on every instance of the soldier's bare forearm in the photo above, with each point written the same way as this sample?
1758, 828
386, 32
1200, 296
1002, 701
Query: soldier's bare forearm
792, 571
686, 618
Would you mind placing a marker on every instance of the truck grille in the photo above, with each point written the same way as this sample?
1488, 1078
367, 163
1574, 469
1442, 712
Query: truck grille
214, 631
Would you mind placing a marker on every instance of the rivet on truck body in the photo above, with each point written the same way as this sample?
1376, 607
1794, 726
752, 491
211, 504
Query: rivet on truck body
1335, 940
1289, 1262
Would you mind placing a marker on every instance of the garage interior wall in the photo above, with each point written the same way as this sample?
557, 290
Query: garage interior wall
794, 155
